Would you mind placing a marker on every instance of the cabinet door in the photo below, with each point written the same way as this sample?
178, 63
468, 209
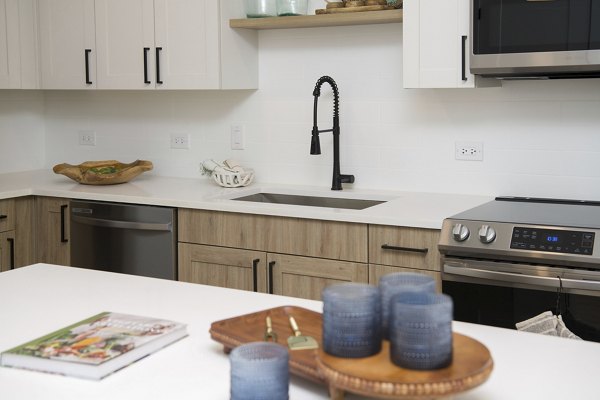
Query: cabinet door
433, 35
7, 251
67, 44
306, 277
10, 57
377, 271
25, 240
187, 39
223, 267
7, 215
53, 245
124, 39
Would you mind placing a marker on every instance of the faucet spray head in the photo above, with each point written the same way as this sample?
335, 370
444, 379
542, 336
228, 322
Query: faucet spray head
315, 143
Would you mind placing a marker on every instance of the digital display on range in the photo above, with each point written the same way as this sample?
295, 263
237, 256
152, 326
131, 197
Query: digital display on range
556, 241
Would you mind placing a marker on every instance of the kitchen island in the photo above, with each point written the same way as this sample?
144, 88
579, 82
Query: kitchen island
41, 298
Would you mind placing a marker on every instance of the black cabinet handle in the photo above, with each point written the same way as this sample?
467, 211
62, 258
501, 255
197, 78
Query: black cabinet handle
11, 243
87, 66
409, 249
271, 266
464, 58
3, 216
146, 50
255, 274
63, 239
158, 49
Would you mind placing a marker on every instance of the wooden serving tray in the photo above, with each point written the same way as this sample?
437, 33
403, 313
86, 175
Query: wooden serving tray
377, 376
109, 172
374, 376
248, 328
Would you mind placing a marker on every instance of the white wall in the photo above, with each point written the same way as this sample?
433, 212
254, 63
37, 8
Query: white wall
21, 130
540, 138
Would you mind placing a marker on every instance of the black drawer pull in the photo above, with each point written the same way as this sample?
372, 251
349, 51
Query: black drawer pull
409, 249
88, 81
464, 59
63, 208
271, 266
255, 274
3, 216
158, 80
11, 242
146, 50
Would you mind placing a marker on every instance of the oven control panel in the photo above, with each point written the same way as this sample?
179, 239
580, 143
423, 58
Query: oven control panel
552, 240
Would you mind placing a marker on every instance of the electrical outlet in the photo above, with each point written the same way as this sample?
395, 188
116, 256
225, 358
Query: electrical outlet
180, 141
87, 138
468, 151
237, 137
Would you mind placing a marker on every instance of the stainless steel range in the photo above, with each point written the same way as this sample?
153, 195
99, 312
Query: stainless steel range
513, 258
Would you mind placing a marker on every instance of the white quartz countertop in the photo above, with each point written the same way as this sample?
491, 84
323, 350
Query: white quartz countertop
42, 298
424, 210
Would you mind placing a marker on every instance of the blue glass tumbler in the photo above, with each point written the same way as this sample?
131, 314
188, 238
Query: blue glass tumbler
394, 283
351, 320
259, 371
421, 330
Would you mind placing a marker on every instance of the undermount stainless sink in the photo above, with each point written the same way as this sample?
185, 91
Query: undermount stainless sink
313, 201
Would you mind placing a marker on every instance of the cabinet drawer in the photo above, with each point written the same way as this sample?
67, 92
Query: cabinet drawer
404, 247
7, 215
223, 267
222, 229
377, 271
315, 238
306, 277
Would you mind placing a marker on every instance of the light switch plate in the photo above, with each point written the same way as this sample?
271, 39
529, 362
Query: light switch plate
237, 137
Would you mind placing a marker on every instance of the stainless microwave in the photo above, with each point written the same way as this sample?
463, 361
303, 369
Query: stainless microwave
535, 38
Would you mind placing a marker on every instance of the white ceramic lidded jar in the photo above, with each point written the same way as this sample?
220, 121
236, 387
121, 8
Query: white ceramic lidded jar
260, 8
292, 7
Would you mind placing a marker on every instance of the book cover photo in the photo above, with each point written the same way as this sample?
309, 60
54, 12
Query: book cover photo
95, 347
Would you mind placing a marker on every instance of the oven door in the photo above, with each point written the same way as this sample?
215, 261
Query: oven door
502, 294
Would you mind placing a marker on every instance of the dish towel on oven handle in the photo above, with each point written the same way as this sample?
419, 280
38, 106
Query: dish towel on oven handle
546, 323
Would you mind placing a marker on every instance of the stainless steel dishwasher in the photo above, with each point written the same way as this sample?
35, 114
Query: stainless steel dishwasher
126, 238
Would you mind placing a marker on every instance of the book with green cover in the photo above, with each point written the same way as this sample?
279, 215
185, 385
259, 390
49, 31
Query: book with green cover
95, 347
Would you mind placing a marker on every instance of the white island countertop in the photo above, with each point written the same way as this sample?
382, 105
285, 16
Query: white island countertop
412, 209
42, 298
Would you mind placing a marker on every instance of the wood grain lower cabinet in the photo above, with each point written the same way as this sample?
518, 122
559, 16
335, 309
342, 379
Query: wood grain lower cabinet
404, 247
377, 271
17, 227
7, 251
223, 267
306, 277
25, 243
52, 215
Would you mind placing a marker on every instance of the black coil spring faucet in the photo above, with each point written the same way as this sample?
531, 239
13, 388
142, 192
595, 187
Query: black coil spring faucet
315, 144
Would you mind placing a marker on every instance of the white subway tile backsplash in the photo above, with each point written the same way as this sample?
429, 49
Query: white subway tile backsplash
541, 138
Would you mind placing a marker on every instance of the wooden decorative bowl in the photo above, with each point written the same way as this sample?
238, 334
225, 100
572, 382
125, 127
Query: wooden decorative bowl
109, 172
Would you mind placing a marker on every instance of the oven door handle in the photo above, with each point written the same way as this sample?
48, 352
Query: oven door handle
500, 276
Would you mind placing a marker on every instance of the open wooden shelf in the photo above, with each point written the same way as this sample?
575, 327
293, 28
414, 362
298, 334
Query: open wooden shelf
313, 21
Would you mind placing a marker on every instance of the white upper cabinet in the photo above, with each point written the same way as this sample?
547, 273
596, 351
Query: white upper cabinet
436, 44
187, 43
125, 42
142, 45
67, 44
18, 40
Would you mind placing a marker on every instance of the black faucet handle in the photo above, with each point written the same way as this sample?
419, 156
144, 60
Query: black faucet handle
346, 178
